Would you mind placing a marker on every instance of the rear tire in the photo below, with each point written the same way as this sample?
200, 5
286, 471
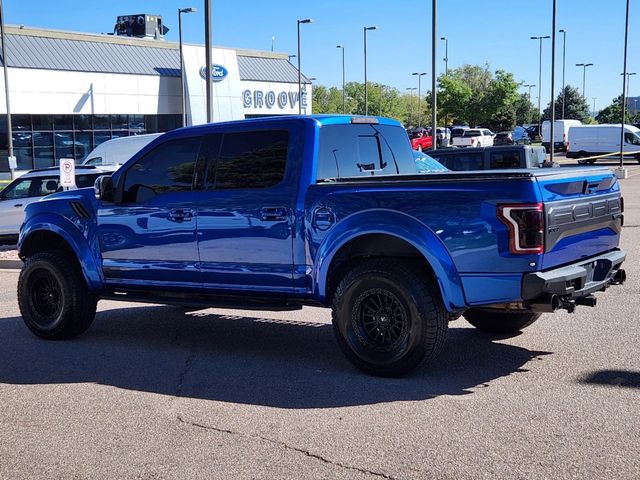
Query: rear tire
388, 318
582, 155
494, 321
53, 296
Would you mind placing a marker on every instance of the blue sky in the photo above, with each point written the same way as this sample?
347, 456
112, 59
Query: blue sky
493, 31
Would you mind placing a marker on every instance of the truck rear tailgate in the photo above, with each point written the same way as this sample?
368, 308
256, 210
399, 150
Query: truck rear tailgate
583, 214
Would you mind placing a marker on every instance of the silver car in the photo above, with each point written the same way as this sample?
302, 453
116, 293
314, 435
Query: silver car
31, 187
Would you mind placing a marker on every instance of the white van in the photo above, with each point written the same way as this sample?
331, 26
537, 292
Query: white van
118, 150
560, 133
590, 140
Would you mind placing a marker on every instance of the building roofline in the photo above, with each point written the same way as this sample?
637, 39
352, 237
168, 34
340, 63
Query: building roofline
121, 40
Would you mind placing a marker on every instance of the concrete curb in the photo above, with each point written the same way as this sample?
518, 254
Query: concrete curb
11, 264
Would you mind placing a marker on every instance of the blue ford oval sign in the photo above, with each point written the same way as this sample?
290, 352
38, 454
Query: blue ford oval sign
218, 73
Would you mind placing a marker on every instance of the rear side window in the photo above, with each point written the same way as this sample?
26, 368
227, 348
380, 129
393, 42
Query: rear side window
167, 168
252, 159
358, 150
504, 160
462, 161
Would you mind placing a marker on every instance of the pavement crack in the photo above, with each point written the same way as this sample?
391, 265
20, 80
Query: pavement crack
288, 447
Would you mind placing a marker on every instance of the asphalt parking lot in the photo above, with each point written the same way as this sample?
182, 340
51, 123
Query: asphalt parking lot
153, 392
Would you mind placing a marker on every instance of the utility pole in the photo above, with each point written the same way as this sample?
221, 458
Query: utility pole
411, 90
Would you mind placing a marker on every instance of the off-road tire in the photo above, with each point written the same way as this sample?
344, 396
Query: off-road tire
54, 300
413, 314
494, 321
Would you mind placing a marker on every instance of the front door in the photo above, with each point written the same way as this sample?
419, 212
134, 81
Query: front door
15, 198
149, 237
246, 211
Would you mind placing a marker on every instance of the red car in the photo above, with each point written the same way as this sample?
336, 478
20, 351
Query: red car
420, 138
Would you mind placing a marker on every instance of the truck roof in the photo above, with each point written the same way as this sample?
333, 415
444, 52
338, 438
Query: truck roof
321, 119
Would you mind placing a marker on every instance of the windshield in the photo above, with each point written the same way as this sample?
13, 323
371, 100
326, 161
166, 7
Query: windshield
472, 133
427, 164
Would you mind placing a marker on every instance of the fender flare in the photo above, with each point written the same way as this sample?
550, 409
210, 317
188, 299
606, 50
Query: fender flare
70, 233
403, 227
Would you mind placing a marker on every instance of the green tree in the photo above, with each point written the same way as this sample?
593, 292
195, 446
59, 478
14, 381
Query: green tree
576, 107
526, 112
474, 95
327, 100
613, 112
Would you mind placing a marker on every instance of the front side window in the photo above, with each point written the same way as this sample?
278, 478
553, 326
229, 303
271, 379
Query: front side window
32, 187
631, 138
252, 159
167, 168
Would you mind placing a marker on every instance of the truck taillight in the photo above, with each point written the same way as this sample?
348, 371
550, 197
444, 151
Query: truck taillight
526, 227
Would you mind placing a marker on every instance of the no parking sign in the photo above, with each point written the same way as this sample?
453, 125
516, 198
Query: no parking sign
67, 172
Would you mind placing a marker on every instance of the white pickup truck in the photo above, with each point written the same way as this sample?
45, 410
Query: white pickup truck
475, 137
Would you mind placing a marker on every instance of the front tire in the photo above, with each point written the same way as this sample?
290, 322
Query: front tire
494, 321
54, 300
388, 318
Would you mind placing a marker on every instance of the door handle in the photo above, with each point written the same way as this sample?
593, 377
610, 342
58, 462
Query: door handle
180, 215
273, 214
18, 205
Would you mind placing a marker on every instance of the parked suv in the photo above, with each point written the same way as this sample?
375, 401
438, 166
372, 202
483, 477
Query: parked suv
32, 186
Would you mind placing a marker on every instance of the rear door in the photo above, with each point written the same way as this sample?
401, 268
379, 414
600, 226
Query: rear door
246, 211
583, 214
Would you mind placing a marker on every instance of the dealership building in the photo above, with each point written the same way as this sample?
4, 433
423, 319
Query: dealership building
69, 92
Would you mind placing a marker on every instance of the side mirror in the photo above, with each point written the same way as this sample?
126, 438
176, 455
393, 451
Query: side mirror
103, 188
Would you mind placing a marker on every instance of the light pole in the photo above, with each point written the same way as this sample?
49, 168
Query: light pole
446, 55
553, 81
208, 47
343, 83
11, 158
306, 20
529, 86
419, 75
434, 52
182, 99
584, 74
366, 93
540, 77
564, 63
594, 105
628, 81
411, 90
622, 172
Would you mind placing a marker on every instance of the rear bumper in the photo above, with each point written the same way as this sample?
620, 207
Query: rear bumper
576, 280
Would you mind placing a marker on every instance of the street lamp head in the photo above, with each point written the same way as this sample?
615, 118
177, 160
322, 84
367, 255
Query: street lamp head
339, 46
562, 30
188, 10
373, 27
443, 38
306, 20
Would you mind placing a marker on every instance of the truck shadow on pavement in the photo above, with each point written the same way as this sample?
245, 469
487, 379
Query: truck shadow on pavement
278, 363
